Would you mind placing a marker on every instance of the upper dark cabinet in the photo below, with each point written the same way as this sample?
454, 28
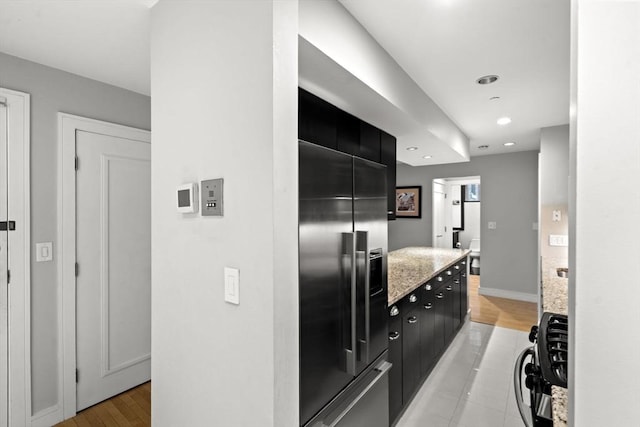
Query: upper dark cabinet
321, 123
369, 142
317, 120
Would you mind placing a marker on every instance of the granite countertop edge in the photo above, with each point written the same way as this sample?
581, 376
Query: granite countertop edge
456, 254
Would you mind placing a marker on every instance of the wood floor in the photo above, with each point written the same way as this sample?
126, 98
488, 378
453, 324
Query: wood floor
503, 312
133, 407
129, 409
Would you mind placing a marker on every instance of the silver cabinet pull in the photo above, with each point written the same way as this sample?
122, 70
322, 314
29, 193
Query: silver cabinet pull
449, 288
349, 243
457, 267
456, 281
427, 287
440, 295
428, 306
439, 279
464, 263
449, 273
394, 335
413, 298
394, 311
412, 319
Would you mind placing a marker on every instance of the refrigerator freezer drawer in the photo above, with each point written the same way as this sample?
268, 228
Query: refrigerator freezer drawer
365, 403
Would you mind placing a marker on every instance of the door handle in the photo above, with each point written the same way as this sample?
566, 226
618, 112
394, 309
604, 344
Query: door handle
362, 251
349, 252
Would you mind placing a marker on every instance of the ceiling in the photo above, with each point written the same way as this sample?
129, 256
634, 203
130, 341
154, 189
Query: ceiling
443, 45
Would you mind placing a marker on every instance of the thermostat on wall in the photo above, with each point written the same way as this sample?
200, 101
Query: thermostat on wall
187, 198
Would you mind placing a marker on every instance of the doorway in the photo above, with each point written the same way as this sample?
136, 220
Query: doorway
106, 268
456, 211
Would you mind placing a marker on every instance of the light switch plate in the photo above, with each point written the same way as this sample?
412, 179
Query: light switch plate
557, 215
492, 225
211, 196
558, 240
232, 285
44, 252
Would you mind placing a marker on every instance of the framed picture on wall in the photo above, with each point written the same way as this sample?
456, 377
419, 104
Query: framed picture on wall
409, 201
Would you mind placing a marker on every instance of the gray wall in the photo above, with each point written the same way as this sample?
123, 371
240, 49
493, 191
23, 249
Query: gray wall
509, 197
54, 91
554, 165
472, 224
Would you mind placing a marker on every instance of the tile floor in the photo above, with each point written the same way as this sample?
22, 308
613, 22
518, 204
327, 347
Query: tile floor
472, 384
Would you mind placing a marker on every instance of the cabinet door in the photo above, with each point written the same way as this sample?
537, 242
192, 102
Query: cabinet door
410, 354
388, 158
448, 310
348, 134
316, 120
395, 358
464, 297
428, 344
369, 142
457, 295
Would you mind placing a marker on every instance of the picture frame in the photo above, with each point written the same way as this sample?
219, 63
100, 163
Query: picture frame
409, 201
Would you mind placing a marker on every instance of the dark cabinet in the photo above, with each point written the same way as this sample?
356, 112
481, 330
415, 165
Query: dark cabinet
411, 377
388, 157
464, 295
317, 120
321, 123
440, 315
428, 351
395, 358
457, 303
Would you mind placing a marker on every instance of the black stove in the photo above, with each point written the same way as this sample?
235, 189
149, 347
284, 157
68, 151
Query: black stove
548, 366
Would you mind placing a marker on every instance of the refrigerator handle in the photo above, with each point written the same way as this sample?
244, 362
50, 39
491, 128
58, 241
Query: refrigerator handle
362, 248
349, 252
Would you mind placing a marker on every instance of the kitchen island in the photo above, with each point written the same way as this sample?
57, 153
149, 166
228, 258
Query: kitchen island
555, 299
410, 267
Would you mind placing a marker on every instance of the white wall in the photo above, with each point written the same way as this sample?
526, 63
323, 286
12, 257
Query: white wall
224, 104
509, 197
605, 208
53, 91
472, 224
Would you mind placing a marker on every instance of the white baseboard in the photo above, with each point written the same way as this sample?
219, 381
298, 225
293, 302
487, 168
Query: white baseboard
501, 293
47, 417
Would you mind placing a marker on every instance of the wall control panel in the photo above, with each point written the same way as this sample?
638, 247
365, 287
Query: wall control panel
187, 198
211, 196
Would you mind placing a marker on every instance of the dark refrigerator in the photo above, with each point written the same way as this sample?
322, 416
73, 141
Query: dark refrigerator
343, 289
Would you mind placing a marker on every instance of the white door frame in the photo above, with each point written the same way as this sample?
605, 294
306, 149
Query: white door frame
18, 163
68, 125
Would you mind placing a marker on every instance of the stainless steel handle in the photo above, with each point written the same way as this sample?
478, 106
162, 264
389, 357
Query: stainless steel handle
412, 319
427, 287
362, 250
517, 384
440, 295
439, 278
382, 370
349, 244
394, 311
390, 212
394, 335
464, 263
413, 298
449, 288
457, 267
456, 281
428, 306
449, 273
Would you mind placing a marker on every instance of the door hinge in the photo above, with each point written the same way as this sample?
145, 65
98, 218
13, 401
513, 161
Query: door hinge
77, 376
77, 163
77, 269
7, 225
8, 276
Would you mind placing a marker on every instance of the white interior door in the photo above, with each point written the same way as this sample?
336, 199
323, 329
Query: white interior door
439, 234
113, 251
4, 263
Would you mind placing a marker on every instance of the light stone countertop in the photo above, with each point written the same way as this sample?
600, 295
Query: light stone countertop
408, 268
556, 300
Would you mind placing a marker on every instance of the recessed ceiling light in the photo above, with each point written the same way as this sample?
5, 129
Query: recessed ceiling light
482, 147
494, 98
485, 80
509, 144
412, 148
503, 121
426, 157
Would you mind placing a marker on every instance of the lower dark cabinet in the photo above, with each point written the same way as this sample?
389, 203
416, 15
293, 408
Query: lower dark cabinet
428, 350
457, 303
464, 295
411, 377
395, 358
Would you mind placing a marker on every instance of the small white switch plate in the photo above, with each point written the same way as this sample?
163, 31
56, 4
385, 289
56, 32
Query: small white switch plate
232, 285
44, 251
558, 240
557, 216
492, 225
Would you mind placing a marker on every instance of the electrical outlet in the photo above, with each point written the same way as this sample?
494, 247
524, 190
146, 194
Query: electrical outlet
44, 252
232, 285
557, 215
558, 240
492, 225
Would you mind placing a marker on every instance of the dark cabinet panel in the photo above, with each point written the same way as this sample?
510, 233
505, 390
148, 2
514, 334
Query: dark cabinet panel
457, 294
440, 314
464, 296
317, 120
428, 349
369, 142
388, 158
410, 353
348, 133
395, 358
